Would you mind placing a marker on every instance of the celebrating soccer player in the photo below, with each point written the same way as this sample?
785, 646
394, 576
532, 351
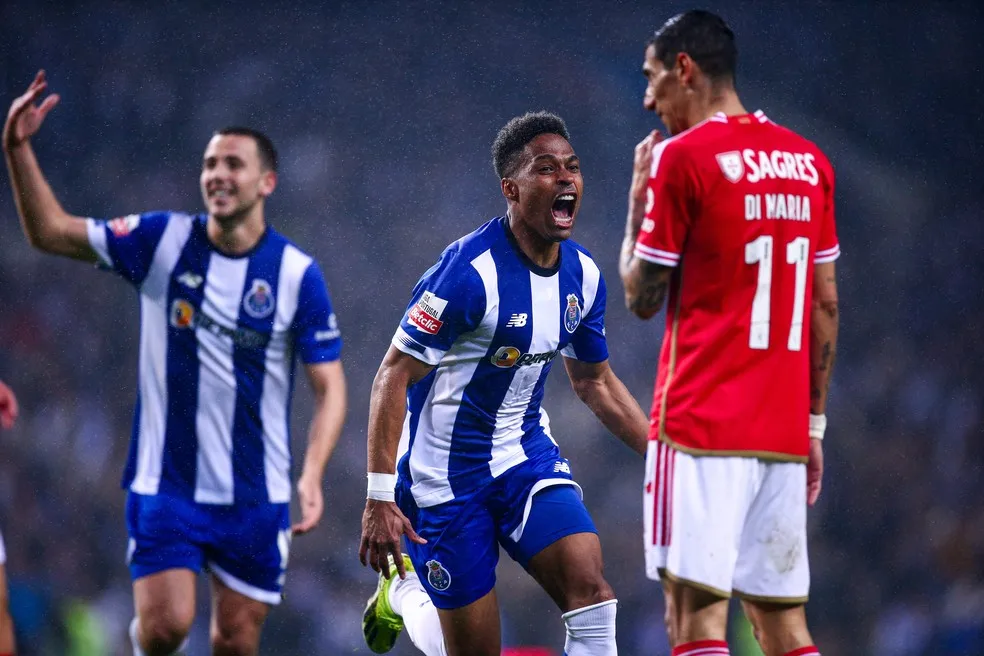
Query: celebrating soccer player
481, 468
8, 415
732, 218
225, 301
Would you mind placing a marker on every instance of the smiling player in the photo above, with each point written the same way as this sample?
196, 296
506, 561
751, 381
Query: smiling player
225, 303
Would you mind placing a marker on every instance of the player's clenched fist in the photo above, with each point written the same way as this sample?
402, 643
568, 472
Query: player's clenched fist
25, 117
383, 524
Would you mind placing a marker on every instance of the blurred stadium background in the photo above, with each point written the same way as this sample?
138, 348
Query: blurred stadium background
383, 113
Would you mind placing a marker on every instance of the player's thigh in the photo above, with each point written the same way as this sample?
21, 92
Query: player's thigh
247, 548
457, 564
560, 548
695, 515
773, 566
236, 621
779, 628
473, 630
165, 602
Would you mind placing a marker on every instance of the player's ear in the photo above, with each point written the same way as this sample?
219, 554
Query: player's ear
685, 68
268, 182
510, 189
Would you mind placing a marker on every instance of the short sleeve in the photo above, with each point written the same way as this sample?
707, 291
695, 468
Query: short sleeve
448, 301
126, 244
669, 207
315, 328
588, 343
828, 246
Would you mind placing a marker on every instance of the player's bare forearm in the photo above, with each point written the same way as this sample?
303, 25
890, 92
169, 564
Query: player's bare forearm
47, 226
328, 382
645, 283
388, 407
824, 324
608, 398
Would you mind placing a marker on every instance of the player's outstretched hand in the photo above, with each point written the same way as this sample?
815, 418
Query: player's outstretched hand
814, 472
312, 502
383, 524
8, 406
25, 117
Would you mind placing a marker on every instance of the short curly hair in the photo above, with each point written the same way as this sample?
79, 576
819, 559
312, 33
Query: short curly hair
514, 135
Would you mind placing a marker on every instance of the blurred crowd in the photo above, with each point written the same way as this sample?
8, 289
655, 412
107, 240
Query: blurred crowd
383, 113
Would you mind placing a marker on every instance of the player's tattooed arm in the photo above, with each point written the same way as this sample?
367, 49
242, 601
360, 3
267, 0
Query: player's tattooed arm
824, 321
645, 284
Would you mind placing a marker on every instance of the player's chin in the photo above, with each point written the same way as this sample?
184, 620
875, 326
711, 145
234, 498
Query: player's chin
559, 230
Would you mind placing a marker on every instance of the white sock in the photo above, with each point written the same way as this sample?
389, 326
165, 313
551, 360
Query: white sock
591, 630
137, 651
409, 600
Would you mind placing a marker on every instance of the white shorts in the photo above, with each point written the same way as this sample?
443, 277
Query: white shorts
727, 524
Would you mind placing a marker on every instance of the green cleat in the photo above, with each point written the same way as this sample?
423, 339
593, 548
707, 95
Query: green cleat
380, 624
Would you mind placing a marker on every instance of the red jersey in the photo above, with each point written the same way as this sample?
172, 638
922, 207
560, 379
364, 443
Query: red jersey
742, 208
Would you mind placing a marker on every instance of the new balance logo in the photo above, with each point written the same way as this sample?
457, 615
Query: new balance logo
517, 320
561, 466
190, 280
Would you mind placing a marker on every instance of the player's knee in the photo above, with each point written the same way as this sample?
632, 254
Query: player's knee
587, 590
239, 636
163, 635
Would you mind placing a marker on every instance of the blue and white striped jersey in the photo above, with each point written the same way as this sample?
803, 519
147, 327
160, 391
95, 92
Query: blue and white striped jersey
217, 342
492, 322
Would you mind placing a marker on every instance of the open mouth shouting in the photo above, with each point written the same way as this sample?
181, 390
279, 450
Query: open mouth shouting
562, 210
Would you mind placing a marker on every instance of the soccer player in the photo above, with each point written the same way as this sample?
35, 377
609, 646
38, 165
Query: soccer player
480, 466
225, 303
732, 218
8, 415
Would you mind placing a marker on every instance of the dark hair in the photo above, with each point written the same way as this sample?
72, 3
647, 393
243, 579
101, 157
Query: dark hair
702, 35
514, 135
268, 154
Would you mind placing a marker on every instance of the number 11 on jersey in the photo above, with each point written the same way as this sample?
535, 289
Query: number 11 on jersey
759, 251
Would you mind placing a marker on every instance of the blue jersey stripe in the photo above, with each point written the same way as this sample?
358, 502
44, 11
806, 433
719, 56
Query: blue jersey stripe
184, 304
256, 313
471, 444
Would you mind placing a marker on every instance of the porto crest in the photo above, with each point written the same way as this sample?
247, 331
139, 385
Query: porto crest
572, 316
437, 575
259, 303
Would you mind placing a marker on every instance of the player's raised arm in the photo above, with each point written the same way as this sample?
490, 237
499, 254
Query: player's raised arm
383, 524
46, 224
601, 390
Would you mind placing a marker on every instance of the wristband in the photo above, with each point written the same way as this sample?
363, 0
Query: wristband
381, 487
818, 424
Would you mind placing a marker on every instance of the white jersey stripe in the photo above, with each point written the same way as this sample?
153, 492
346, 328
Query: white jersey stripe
276, 379
224, 288
507, 449
97, 240
590, 276
152, 370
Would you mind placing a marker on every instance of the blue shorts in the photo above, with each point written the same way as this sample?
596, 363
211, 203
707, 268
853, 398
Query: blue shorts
245, 545
525, 510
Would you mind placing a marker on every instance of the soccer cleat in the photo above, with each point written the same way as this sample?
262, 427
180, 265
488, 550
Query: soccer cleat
380, 624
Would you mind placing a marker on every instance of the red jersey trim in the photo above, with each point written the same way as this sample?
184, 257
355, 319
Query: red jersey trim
771, 456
